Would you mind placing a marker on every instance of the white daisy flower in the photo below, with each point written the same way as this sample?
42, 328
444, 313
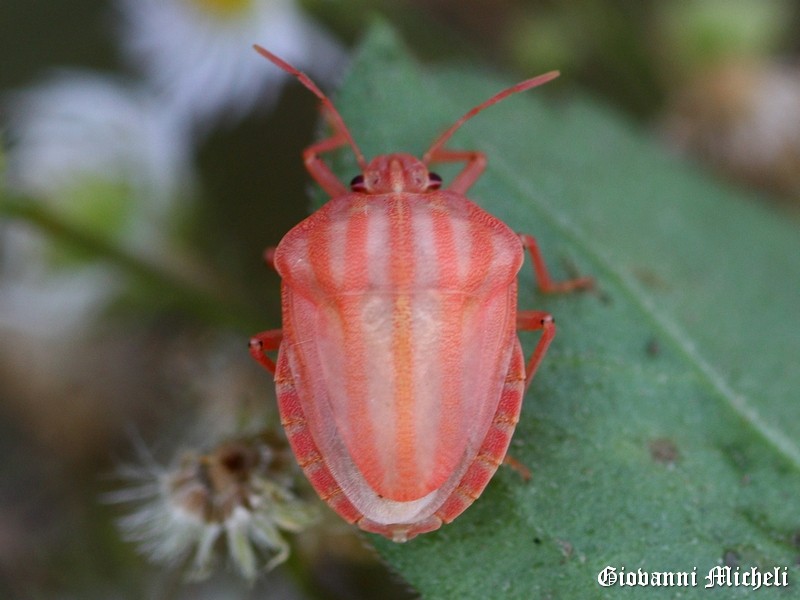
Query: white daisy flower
236, 498
198, 53
99, 151
42, 305
103, 156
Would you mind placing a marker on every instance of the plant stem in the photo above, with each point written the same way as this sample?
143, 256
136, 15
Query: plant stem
211, 305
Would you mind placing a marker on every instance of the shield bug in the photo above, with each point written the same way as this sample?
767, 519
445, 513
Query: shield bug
400, 374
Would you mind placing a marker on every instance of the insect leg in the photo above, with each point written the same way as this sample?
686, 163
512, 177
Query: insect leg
518, 466
261, 343
546, 283
269, 257
318, 169
535, 320
476, 163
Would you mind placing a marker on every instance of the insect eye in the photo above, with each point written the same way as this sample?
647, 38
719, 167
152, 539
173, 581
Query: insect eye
434, 181
357, 184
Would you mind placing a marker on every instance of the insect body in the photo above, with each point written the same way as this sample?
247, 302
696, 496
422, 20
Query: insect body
400, 375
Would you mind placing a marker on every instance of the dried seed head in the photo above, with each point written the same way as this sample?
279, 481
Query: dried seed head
236, 499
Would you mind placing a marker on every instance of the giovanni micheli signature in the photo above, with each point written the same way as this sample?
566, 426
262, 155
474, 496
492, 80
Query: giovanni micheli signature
719, 577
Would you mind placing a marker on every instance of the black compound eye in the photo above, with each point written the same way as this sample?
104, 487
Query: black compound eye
357, 184
434, 181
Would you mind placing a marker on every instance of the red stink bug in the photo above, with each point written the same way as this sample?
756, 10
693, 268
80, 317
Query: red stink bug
400, 375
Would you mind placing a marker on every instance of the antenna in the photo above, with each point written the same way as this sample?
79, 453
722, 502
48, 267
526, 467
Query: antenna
338, 121
520, 87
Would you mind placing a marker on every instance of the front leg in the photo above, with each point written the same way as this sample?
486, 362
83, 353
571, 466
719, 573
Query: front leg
319, 170
474, 167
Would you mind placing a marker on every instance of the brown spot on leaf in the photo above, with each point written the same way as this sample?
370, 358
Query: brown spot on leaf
664, 451
566, 548
652, 347
651, 279
731, 559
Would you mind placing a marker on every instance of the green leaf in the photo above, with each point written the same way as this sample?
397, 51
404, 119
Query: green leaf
662, 429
